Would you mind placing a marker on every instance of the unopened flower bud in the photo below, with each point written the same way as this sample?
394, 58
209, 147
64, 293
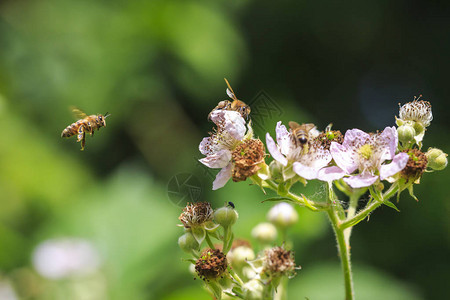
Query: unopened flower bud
406, 133
275, 169
265, 233
226, 216
437, 159
187, 242
253, 289
240, 255
282, 215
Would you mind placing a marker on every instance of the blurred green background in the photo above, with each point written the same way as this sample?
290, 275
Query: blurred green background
158, 68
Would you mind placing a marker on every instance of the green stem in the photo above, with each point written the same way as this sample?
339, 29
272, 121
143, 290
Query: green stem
300, 200
281, 290
354, 198
362, 214
344, 253
236, 276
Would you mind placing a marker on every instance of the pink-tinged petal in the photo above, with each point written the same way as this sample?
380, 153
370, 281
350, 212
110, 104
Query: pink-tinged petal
205, 146
355, 136
361, 180
217, 160
397, 164
231, 120
344, 157
304, 171
390, 137
283, 138
222, 177
234, 124
321, 158
331, 173
273, 150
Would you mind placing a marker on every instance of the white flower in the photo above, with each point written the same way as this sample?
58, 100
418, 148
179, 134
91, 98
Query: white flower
65, 257
367, 154
218, 147
306, 161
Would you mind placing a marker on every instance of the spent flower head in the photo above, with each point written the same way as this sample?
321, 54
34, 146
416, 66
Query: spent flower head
279, 262
211, 264
414, 118
197, 218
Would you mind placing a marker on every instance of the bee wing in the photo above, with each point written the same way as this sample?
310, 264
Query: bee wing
230, 91
78, 113
309, 126
293, 125
230, 94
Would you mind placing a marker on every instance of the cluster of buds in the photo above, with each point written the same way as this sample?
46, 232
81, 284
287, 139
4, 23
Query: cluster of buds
232, 267
201, 223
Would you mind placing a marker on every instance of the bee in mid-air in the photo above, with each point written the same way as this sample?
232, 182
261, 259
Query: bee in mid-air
236, 104
300, 133
84, 124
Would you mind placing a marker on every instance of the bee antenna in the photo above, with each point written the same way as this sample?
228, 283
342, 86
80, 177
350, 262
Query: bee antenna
107, 115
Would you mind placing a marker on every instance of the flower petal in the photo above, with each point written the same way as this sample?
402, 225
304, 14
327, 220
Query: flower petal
205, 146
317, 159
330, 174
344, 156
217, 160
361, 180
222, 177
231, 120
355, 137
234, 124
397, 164
283, 138
273, 150
305, 171
390, 137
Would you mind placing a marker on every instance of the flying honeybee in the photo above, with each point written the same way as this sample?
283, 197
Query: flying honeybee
84, 124
300, 133
236, 104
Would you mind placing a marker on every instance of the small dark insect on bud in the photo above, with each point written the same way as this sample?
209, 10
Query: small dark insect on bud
231, 204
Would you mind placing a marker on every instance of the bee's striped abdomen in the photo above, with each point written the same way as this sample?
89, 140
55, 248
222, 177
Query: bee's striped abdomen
72, 129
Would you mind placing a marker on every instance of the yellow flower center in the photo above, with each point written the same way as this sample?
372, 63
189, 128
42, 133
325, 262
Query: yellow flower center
366, 151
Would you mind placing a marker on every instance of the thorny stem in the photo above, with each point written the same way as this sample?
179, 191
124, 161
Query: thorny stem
344, 253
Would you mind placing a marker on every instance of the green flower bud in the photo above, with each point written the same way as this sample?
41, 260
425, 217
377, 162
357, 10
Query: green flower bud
225, 216
187, 242
282, 215
406, 133
275, 169
437, 159
265, 233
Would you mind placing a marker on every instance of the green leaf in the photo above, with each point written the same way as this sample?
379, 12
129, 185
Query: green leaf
391, 205
275, 199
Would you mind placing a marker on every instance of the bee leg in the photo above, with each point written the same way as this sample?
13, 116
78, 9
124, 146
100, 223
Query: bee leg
81, 136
